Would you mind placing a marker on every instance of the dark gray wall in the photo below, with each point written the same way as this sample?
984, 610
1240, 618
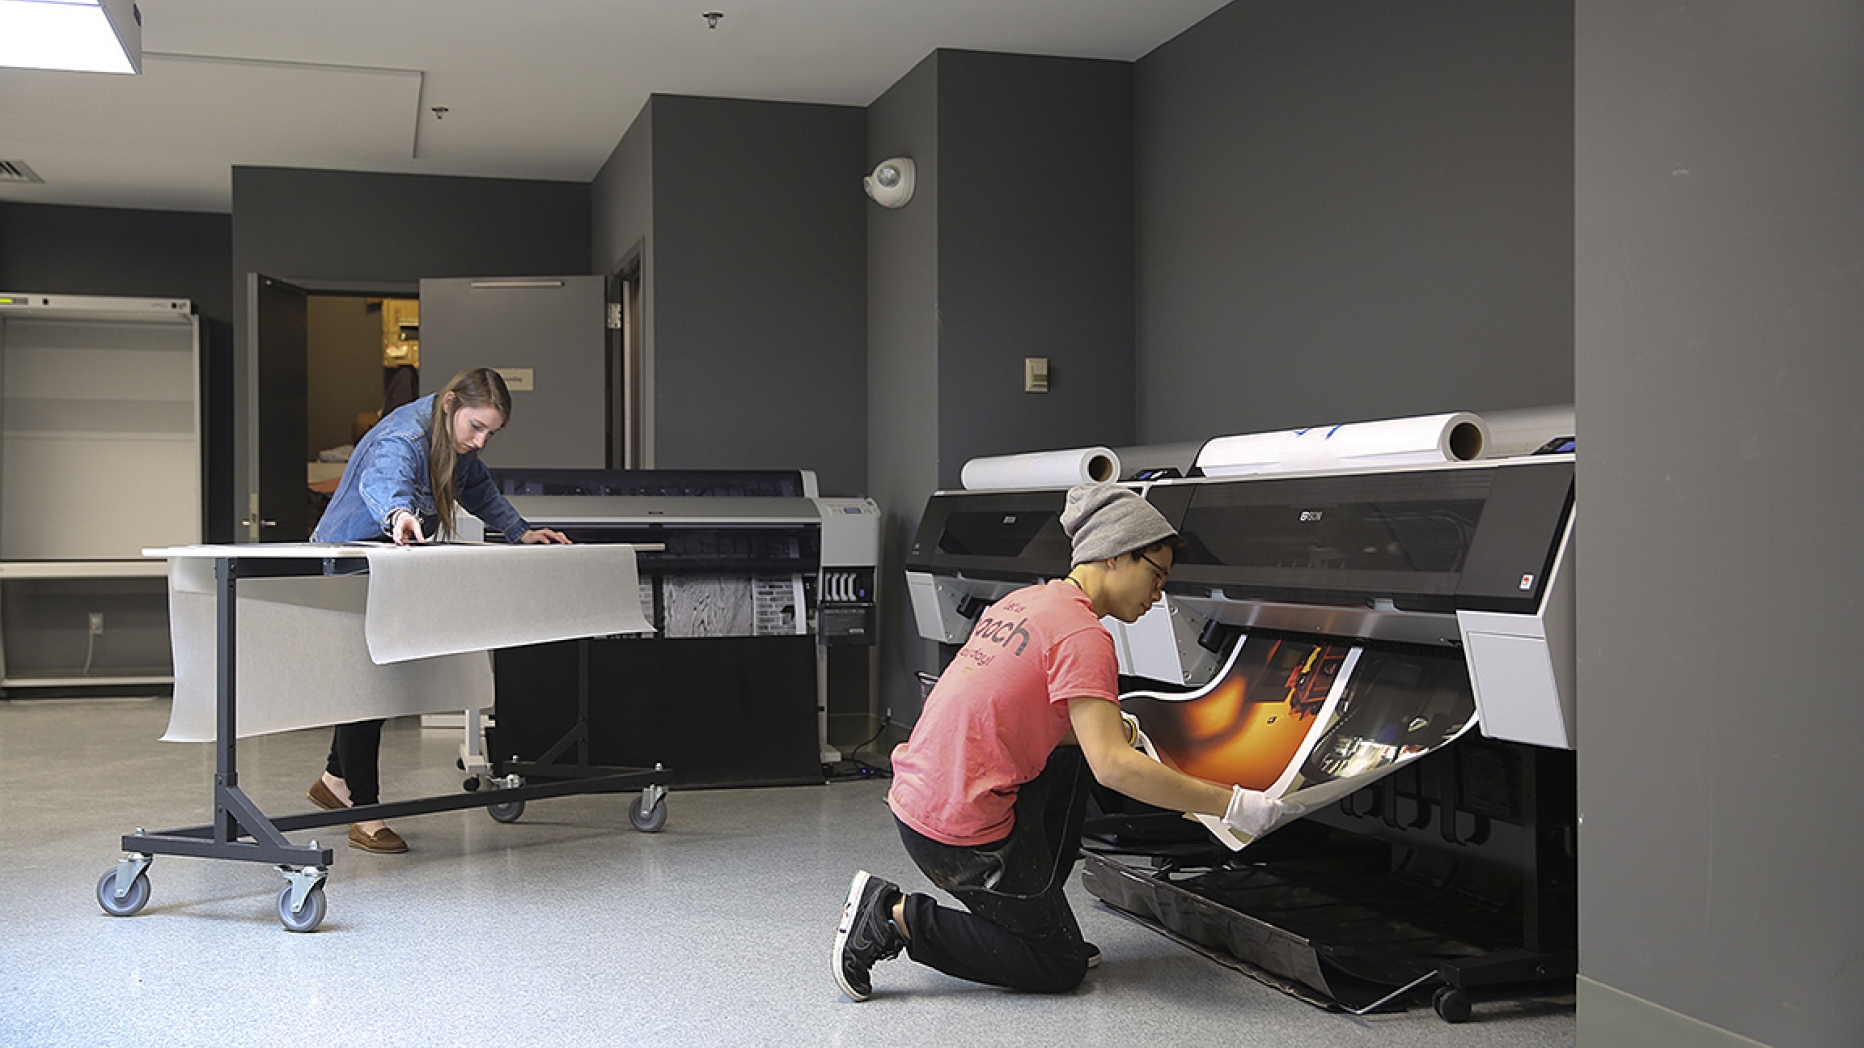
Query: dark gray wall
622, 198
1035, 254
759, 315
903, 367
1018, 242
152, 254
1354, 209
622, 206
355, 226
1719, 371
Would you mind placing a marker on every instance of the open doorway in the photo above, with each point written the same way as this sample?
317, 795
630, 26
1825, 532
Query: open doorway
362, 360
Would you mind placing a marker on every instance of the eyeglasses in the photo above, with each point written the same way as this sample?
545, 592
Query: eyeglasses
1159, 574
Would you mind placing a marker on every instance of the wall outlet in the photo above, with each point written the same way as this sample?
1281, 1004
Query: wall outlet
97, 623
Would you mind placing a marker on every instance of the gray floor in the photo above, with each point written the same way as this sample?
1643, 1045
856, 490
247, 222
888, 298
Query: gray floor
565, 927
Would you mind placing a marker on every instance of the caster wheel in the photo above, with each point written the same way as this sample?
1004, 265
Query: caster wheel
649, 821
460, 763
1451, 1004
510, 811
309, 916
471, 785
132, 901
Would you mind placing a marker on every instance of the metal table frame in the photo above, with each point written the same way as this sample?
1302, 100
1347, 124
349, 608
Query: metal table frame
243, 833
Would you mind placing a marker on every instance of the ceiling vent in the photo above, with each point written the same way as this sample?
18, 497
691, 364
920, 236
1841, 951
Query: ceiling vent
17, 171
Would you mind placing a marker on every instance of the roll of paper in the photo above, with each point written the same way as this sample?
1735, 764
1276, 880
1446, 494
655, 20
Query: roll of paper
1157, 461
1453, 437
1042, 469
1523, 431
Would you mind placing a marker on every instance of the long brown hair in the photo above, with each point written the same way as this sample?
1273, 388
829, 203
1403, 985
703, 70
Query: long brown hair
473, 388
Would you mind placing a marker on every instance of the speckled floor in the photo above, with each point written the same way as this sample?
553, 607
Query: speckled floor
566, 927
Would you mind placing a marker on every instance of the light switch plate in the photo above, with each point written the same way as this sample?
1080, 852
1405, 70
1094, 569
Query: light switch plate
1035, 375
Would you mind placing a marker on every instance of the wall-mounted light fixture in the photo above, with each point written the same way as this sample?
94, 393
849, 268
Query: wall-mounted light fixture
88, 36
891, 184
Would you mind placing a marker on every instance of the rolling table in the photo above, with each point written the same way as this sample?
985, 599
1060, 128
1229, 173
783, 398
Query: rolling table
361, 617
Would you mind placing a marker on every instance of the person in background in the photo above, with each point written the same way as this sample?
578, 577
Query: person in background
990, 789
404, 481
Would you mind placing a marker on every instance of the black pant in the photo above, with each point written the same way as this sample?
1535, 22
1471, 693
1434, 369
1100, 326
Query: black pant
1019, 931
354, 750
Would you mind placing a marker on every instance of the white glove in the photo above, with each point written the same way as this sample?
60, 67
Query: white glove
1256, 813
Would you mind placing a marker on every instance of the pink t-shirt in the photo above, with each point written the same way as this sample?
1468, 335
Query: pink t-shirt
998, 711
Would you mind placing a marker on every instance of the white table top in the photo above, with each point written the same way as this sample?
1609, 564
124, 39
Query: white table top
279, 550
321, 550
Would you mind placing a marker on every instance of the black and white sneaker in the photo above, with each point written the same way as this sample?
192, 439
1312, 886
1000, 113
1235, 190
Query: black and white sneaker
866, 934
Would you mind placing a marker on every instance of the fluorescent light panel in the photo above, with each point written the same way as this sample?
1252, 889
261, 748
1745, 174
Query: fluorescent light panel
90, 36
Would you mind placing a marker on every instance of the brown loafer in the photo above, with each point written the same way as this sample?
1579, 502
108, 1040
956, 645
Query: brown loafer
383, 841
321, 796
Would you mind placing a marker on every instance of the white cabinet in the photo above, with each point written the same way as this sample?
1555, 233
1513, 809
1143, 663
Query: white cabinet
100, 456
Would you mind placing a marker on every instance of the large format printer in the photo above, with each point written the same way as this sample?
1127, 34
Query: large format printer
761, 593
1456, 871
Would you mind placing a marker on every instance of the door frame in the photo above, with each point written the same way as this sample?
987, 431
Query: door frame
247, 403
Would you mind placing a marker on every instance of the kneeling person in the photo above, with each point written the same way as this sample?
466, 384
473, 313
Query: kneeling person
990, 789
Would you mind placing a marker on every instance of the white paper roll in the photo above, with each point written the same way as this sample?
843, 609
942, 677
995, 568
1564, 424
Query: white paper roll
1454, 437
1042, 469
1522, 431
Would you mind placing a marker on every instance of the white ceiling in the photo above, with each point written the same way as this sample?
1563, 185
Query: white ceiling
532, 88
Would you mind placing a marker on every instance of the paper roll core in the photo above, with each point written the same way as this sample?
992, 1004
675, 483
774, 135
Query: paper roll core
1100, 468
1465, 442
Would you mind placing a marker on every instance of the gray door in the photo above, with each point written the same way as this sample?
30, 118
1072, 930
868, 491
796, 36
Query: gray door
550, 331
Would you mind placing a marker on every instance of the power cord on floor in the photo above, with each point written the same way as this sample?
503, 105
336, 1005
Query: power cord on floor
852, 767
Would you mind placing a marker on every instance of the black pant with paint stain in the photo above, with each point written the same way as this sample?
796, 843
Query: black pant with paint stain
1017, 929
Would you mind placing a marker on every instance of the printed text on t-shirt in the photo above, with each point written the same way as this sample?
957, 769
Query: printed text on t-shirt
1002, 631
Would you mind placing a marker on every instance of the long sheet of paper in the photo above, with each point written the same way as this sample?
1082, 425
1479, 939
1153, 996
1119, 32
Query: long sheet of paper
1306, 721
443, 600
409, 637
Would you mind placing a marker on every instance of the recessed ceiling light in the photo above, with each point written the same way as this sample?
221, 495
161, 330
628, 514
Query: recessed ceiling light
88, 36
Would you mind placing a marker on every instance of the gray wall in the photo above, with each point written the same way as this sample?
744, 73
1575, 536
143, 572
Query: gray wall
1018, 242
622, 212
1354, 209
903, 367
622, 198
1719, 374
754, 302
354, 226
1035, 252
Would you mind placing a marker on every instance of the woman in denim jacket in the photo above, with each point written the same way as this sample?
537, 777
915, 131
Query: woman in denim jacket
389, 490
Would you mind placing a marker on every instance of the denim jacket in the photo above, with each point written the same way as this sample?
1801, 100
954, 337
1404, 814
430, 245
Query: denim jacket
388, 472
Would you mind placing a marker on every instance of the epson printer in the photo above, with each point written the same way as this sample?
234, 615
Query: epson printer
1456, 871
758, 587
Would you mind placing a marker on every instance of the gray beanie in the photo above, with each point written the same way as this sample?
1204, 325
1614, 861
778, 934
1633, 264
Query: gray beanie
1106, 520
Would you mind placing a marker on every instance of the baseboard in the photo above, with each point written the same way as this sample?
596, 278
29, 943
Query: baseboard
1611, 1018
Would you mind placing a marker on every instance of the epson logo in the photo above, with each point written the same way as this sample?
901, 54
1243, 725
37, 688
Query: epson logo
1308, 516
